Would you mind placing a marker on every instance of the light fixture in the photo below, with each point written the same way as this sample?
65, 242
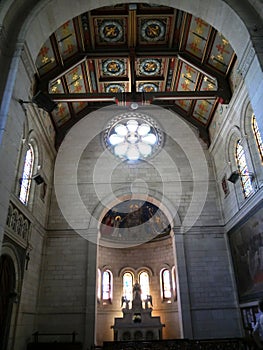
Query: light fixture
42, 101
37, 178
132, 136
236, 175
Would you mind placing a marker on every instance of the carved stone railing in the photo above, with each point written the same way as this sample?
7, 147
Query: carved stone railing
55, 341
17, 224
183, 344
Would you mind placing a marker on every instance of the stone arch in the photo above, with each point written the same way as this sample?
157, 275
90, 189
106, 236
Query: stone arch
231, 139
127, 269
10, 252
247, 131
245, 118
145, 268
231, 16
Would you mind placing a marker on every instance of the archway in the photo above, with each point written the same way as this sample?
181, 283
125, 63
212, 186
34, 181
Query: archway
125, 249
7, 297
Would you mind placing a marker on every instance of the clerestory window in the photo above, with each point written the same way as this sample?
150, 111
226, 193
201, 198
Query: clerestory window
26, 179
243, 170
257, 136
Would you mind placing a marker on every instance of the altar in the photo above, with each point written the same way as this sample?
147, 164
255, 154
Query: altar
137, 322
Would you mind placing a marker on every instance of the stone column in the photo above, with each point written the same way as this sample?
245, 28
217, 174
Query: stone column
91, 295
182, 284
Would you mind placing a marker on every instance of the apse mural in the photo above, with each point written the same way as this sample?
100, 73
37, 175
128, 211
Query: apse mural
134, 220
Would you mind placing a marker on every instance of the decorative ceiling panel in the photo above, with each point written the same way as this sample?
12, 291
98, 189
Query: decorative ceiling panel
202, 110
198, 37
61, 114
114, 88
75, 81
208, 84
111, 31
66, 40
152, 86
140, 52
113, 67
154, 30
150, 67
221, 54
187, 78
56, 87
46, 58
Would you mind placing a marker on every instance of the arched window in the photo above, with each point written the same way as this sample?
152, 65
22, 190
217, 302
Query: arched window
26, 179
166, 287
243, 170
257, 136
127, 285
106, 286
145, 284
99, 285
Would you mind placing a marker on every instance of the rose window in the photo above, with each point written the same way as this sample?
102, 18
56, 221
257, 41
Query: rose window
133, 136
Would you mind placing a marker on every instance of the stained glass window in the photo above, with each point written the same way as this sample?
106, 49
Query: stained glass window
166, 284
127, 285
145, 284
257, 136
106, 285
243, 170
133, 136
25, 181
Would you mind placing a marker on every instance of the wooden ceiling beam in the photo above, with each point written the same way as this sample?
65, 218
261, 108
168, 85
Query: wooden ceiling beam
137, 96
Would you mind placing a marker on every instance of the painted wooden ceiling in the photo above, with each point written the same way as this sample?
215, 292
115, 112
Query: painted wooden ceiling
135, 53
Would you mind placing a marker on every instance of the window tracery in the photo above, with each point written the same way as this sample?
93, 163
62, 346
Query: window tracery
133, 136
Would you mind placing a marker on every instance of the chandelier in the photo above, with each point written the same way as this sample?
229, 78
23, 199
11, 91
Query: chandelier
133, 136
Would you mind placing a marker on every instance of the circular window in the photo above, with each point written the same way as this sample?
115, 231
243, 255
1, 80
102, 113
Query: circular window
133, 136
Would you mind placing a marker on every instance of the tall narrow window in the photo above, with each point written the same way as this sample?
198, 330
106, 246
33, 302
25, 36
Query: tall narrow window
99, 285
145, 284
257, 136
243, 170
166, 284
25, 181
106, 285
174, 282
127, 281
